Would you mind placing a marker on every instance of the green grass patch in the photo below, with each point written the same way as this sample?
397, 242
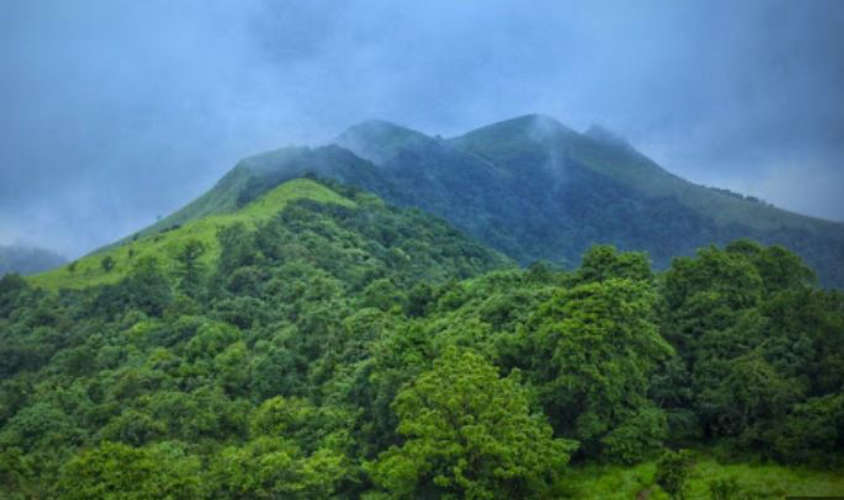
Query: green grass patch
165, 244
753, 480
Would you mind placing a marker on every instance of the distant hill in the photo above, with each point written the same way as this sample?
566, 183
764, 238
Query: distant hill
535, 190
27, 260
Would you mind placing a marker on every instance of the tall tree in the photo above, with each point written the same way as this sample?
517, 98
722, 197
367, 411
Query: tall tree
469, 434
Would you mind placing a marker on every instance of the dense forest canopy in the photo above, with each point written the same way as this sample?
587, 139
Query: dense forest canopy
321, 343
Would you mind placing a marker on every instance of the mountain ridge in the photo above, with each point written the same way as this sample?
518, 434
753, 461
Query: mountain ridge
534, 189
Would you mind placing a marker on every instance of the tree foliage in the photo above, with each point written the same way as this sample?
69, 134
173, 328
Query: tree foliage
358, 349
469, 434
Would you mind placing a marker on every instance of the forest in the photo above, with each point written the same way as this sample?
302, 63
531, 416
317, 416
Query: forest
347, 348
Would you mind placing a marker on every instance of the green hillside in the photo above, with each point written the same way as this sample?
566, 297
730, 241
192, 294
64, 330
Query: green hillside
255, 175
166, 243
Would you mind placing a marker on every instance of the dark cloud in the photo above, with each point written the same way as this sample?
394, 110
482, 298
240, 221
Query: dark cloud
117, 111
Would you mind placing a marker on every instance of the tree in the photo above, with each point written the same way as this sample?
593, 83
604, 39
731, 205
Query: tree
274, 467
107, 263
602, 262
469, 434
595, 347
115, 470
147, 286
190, 268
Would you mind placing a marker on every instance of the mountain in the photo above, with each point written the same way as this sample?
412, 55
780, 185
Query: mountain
535, 190
27, 260
288, 336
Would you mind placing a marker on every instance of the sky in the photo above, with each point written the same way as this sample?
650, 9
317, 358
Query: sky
116, 112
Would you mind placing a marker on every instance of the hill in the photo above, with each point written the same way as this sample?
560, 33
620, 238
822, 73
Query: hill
27, 260
202, 222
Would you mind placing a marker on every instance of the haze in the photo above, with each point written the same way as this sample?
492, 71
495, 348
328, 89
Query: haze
115, 112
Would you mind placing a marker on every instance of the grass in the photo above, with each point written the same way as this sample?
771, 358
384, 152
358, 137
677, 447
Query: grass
165, 245
754, 480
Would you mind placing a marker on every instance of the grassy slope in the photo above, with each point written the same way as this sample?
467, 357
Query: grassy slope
269, 169
762, 481
220, 199
167, 244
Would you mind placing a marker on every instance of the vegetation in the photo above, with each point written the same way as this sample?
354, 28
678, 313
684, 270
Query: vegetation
319, 343
112, 264
536, 190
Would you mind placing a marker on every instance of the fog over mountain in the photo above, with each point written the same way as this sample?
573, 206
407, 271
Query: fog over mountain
116, 111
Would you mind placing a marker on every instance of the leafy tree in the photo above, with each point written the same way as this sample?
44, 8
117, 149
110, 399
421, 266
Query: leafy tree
191, 268
602, 262
114, 470
107, 263
268, 467
148, 287
470, 434
595, 347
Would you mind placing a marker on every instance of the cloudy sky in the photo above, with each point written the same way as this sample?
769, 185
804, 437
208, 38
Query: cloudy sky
114, 112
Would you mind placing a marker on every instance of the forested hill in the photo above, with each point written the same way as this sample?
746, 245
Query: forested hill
319, 343
197, 240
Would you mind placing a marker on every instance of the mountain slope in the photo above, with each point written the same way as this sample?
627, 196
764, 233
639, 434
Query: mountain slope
537, 190
114, 263
166, 243
255, 175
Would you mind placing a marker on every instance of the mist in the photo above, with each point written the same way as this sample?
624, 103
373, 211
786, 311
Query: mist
116, 112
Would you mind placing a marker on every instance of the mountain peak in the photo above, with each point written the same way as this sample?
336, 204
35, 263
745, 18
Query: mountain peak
535, 128
379, 140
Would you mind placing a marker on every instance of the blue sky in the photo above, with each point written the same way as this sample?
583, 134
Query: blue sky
118, 111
